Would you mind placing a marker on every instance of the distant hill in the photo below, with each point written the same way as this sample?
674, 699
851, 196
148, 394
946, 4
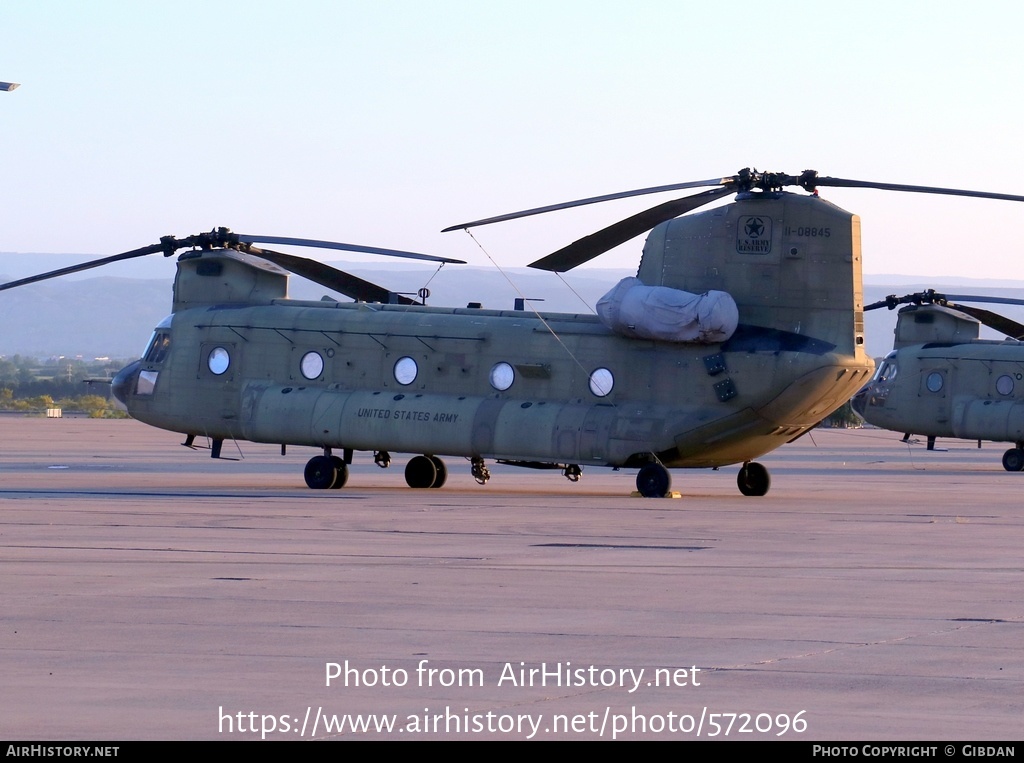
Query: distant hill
95, 315
110, 316
98, 317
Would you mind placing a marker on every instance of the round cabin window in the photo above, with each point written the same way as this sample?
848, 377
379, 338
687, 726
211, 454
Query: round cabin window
311, 365
406, 370
502, 376
601, 382
218, 360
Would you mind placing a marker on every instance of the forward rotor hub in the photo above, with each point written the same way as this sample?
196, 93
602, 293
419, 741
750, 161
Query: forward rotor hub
749, 179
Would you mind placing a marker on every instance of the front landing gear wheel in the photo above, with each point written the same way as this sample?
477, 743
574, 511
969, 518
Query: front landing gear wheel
1013, 460
753, 479
442, 472
653, 481
321, 472
341, 473
420, 472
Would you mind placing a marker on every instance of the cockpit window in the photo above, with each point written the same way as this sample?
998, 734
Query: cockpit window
158, 348
887, 370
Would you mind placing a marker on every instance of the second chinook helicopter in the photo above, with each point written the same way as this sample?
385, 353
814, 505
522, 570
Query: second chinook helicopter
742, 331
941, 380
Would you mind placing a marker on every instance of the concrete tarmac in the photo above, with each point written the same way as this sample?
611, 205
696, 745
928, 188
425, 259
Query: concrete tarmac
150, 592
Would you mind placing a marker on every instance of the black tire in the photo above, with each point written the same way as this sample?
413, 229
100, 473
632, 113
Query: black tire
653, 481
442, 472
420, 472
320, 473
1013, 460
753, 479
342, 473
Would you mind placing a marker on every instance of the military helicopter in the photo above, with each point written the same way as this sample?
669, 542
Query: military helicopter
941, 380
743, 329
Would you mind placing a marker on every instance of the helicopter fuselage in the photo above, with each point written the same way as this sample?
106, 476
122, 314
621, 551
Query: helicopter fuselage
424, 379
970, 390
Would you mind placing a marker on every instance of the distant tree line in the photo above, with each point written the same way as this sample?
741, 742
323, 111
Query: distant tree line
30, 384
843, 418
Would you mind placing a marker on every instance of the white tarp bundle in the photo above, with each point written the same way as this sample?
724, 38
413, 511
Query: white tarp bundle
660, 312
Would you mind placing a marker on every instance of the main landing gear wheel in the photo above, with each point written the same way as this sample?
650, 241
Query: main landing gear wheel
322, 472
753, 479
425, 471
1013, 460
653, 481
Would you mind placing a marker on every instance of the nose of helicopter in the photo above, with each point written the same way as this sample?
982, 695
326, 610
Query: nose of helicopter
122, 384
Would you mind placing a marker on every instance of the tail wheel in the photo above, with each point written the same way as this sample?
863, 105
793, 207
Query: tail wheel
753, 479
1013, 460
653, 481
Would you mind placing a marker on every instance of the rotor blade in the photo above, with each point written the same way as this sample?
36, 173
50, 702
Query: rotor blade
591, 200
344, 247
933, 297
591, 246
152, 249
978, 298
844, 183
995, 321
337, 280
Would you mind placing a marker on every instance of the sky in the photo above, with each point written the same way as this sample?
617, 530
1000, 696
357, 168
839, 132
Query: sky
382, 122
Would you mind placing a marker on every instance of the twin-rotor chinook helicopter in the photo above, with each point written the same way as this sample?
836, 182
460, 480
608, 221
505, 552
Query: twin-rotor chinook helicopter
941, 380
743, 330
